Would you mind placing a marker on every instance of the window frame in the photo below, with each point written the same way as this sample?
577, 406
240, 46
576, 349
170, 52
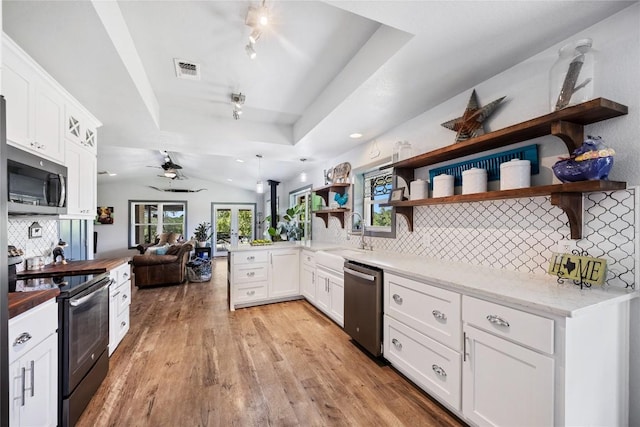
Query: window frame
359, 202
159, 203
307, 220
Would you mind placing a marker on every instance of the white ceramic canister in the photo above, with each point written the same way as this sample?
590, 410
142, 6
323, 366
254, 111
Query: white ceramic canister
515, 174
443, 185
474, 180
418, 190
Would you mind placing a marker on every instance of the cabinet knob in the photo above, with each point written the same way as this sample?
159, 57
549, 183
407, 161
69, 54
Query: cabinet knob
123, 324
438, 370
397, 343
439, 315
124, 296
250, 258
22, 338
251, 273
251, 293
397, 298
497, 320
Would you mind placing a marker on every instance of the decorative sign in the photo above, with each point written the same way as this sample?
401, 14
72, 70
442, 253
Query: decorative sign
35, 230
104, 215
579, 268
341, 173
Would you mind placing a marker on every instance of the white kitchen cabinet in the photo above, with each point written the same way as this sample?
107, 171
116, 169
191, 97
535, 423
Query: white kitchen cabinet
263, 276
35, 106
81, 182
33, 367
504, 383
119, 302
79, 129
330, 294
285, 273
308, 275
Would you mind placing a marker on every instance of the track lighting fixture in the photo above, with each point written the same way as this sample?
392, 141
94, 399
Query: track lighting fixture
237, 100
257, 18
251, 52
254, 36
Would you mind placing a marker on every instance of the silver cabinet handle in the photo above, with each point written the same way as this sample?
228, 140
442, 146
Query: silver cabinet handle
497, 320
22, 338
313, 277
397, 343
125, 275
250, 258
438, 370
397, 298
115, 294
125, 296
251, 273
251, 293
439, 315
364, 276
123, 324
33, 374
24, 380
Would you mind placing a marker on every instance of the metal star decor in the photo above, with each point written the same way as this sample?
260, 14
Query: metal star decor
470, 124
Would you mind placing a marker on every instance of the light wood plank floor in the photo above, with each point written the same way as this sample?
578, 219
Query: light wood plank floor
188, 361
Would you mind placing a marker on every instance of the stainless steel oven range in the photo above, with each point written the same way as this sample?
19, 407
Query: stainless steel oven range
83, 339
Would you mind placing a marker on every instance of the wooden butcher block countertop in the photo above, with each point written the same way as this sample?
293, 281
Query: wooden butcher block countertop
19, 302
93, 266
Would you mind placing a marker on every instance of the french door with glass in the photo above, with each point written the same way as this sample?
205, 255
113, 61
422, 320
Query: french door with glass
233, 226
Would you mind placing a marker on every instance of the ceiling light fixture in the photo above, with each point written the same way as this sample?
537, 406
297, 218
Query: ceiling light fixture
254, 36
303, 174
259, 183
355, 135
257, 16
237, 101
239, 160
251, 52
170, 173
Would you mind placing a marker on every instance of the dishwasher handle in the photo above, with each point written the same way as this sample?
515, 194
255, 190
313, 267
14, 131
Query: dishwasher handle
368, 277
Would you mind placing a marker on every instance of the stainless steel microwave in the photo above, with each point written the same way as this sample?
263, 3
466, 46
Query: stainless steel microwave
36, 185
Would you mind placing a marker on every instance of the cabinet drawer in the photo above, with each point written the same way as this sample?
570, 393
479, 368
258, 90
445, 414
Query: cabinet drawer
251, 292
430, 310
249, 273
250, 257
120, 274
526, 328
122, 325
31, 328
308, 258
431, 365
123, 298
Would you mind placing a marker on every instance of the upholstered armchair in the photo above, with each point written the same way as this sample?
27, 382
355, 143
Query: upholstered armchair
167, 269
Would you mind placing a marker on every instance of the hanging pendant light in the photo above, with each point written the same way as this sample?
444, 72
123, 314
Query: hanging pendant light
303, 174
259, 183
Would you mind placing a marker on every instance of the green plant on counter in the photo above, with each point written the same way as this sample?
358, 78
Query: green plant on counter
290, 227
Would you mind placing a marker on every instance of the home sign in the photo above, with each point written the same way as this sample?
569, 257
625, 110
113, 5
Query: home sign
579, 268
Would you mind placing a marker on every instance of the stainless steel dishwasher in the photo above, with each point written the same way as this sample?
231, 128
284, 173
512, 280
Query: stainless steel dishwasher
363, 305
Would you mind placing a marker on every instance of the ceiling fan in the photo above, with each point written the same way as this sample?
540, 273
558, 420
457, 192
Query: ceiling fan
172, 170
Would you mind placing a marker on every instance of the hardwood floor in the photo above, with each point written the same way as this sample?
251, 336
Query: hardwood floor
188, 361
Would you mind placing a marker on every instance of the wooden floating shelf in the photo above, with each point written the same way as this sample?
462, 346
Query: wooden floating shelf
325, 214
567, 124
336, 188
566, 196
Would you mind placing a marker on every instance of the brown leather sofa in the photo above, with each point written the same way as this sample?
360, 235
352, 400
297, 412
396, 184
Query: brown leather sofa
157, 270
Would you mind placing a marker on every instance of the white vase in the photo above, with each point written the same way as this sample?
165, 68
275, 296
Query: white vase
202, 244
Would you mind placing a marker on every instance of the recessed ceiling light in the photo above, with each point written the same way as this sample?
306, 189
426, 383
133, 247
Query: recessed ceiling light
239, 160
112, 174
355, 135
229, 179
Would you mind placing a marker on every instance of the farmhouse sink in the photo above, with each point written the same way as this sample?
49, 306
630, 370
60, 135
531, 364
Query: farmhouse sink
334, 258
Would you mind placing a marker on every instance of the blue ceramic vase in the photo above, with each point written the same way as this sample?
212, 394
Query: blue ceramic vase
571, 170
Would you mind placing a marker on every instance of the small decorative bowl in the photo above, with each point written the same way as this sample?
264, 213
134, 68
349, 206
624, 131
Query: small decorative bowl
570, 170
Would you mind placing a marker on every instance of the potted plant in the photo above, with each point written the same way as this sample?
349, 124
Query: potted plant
289, 228
202, 233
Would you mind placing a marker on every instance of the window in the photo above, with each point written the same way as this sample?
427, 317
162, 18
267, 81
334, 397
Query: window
148, 219
302, 196
371, 191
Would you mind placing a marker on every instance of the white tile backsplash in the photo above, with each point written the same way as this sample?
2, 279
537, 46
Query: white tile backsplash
18, 236
514, 234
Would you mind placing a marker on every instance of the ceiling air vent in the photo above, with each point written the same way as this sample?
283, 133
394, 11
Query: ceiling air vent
187, 70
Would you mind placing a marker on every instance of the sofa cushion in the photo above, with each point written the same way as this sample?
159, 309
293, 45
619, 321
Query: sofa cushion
157, 249
139, 260
164, 238
173, 249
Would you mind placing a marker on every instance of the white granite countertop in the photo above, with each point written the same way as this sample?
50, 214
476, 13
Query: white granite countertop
541, 293
536, 292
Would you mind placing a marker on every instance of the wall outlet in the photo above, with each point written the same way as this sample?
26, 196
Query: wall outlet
567, 246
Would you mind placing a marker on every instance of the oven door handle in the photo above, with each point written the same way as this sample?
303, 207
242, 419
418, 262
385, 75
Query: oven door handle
78, 302
368, 277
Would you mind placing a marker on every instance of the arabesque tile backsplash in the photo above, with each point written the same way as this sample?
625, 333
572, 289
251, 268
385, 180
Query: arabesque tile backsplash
18, 236
514, 234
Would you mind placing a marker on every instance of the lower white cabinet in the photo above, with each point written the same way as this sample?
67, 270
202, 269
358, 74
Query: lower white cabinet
263, 276
33, 367
119, 302
330, 294
504, 383
308, 276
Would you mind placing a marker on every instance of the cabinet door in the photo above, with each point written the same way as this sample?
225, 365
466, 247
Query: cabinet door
336, 292
505, 384
48, 122
285, 273
34, 386
18, 90
81, 181
308, 282
322, 300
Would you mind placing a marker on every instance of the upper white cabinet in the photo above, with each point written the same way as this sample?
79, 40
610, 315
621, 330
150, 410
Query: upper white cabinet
79, 129
35, 109
81, 182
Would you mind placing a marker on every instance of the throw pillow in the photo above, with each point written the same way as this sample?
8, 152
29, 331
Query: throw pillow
162, 250
164, 237
173, 238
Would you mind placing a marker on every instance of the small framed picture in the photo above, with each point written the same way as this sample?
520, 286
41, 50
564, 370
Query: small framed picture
397, 194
